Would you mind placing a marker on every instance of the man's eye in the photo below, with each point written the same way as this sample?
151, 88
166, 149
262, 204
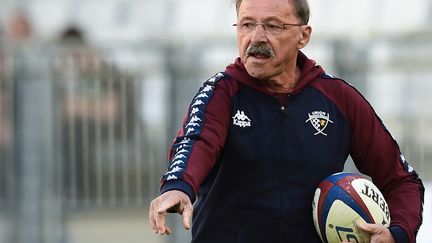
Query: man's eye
247, 25
273, 26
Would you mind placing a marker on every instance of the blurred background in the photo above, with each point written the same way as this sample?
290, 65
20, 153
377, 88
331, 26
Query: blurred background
92, 92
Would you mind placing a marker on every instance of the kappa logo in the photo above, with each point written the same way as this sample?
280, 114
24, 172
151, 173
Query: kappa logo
173, 170
319, 121
197, 103
241, 120
194, 110
195, 119
207, 88
171, 177
177, 162
406, 165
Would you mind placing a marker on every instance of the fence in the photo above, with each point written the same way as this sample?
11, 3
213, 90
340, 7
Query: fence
73, 137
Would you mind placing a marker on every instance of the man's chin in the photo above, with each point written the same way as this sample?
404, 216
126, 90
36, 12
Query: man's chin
258, 73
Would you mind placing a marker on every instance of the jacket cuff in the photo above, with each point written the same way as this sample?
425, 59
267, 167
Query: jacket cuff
180, 186
399, 234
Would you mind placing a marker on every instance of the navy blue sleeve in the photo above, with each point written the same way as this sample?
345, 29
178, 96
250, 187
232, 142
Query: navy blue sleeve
399, 234
179, 185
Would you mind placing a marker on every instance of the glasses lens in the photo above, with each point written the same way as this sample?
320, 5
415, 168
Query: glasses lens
273, 28
270, 28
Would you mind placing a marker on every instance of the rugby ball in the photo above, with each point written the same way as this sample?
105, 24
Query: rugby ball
343, 199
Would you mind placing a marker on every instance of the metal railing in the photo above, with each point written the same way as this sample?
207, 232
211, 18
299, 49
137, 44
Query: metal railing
73, 136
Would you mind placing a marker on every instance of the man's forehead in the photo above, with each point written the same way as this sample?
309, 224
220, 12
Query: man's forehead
265, 8
263, 3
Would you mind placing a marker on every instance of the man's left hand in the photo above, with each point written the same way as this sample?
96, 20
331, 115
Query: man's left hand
378, 232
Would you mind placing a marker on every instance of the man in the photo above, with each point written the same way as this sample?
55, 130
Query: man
259, 138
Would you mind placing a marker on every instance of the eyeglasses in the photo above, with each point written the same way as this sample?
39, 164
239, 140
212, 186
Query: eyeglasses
270, 28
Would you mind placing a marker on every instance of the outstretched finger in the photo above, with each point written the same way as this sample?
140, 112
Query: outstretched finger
161, 212
160, 223
152, 218
167, 230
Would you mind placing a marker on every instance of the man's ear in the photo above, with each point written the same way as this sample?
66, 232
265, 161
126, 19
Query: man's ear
305, 35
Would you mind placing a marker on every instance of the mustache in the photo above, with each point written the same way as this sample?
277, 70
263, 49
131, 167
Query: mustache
260, 49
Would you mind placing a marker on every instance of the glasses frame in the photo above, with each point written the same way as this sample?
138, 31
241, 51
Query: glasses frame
282, 26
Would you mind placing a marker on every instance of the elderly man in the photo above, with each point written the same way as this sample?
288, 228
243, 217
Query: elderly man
249, 156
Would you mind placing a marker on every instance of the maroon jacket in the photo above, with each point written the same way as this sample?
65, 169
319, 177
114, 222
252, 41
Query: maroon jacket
255, 158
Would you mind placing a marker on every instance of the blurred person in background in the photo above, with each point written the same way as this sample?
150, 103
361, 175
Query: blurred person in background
21, 46
19, 28
4, 97
97, 101
5, 125
16, 53
258, 139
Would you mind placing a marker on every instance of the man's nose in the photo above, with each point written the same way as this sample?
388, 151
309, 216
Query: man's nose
259, 34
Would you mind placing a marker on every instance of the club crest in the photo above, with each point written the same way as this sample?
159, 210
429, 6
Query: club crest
319, 121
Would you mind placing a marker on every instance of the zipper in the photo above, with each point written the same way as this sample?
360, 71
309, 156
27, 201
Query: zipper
282, 106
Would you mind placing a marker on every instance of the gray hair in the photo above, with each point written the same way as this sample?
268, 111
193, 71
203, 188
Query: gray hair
301, 8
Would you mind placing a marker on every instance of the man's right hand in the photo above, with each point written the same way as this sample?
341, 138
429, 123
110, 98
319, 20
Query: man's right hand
176, 201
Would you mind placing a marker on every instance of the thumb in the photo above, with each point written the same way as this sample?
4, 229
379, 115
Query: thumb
187, 215
370, 228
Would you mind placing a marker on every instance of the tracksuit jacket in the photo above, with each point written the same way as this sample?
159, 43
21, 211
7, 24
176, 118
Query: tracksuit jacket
251, 159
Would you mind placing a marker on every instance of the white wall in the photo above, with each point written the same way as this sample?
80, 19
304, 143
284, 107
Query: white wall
424, 235
132, 20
